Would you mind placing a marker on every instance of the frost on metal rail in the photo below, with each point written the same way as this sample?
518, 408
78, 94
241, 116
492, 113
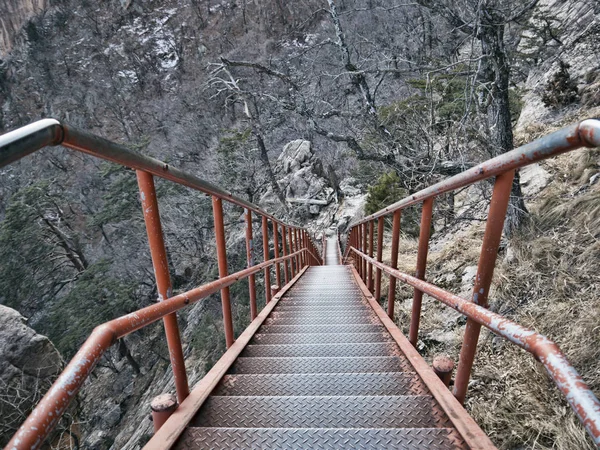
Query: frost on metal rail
360, 247
298, 248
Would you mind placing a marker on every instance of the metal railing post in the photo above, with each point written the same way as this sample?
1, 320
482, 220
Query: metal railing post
276, 244
163, 279
291, 251
286, 271
297, 247
365, 236
420, 269
265, 232
217, 204
370, 275
483, 279
250, 259
394, 261
380, 223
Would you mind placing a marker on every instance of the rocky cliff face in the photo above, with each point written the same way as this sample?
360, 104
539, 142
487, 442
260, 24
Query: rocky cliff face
571, 33
15, 14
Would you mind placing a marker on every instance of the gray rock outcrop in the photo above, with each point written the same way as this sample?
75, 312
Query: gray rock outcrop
29, 363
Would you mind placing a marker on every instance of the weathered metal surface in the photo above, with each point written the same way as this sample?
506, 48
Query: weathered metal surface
380, 224
294, 438
321, 365
483, 279
569, 382
162, 408
163, 279
250, 263
217, 204
321, 350
267, 271
418, 411
312, 329
424, 231
320, 384
394, 262
319, 338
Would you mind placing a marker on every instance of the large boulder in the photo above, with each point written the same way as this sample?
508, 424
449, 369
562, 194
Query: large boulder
302, 180
29, 363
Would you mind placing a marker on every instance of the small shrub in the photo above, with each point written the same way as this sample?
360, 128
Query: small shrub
561, 90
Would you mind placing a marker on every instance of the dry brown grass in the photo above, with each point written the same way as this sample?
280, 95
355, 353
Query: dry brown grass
551, 284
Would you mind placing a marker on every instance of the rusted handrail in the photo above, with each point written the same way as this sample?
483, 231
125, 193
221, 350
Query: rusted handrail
303, 252
52, 406
571, 384
50, 132
583, 134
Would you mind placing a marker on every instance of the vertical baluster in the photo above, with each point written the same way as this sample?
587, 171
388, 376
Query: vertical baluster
370, 276
250, 258
286, 271
420, 269
394, 262
483, 279
297, 247
276, 243
364, 250
163, 279
265, 231
380, 223
291, 251
223, 272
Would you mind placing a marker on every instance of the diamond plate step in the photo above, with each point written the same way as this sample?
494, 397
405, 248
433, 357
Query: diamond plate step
319, 338
348, 328
419, 411
330, 316
322, 384
322, 350
326, 320
321, 365
294, 438
325, 307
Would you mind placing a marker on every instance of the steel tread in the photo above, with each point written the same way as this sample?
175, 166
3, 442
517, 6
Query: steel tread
419, 411
331, 316
321, 365
324, 307
322, 438
321, 350
312, 329
348, 384
326, 320
319, 338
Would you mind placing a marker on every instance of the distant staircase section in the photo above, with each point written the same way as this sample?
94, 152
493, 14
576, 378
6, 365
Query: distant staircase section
332, 254
322, 372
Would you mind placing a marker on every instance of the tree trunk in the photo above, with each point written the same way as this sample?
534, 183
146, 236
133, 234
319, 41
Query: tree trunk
495, 75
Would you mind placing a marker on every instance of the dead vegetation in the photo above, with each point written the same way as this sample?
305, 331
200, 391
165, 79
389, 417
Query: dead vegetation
547, 278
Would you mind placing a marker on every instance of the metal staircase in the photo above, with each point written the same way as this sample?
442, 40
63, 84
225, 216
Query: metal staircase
322, 372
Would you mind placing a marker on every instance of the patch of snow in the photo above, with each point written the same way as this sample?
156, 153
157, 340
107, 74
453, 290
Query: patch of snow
129, 75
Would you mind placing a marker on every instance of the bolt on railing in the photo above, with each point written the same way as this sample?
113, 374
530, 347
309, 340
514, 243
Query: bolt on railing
577, 393
26, 140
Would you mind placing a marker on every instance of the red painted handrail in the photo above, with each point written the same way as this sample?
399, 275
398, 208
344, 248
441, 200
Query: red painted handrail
577, 393
26, 140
